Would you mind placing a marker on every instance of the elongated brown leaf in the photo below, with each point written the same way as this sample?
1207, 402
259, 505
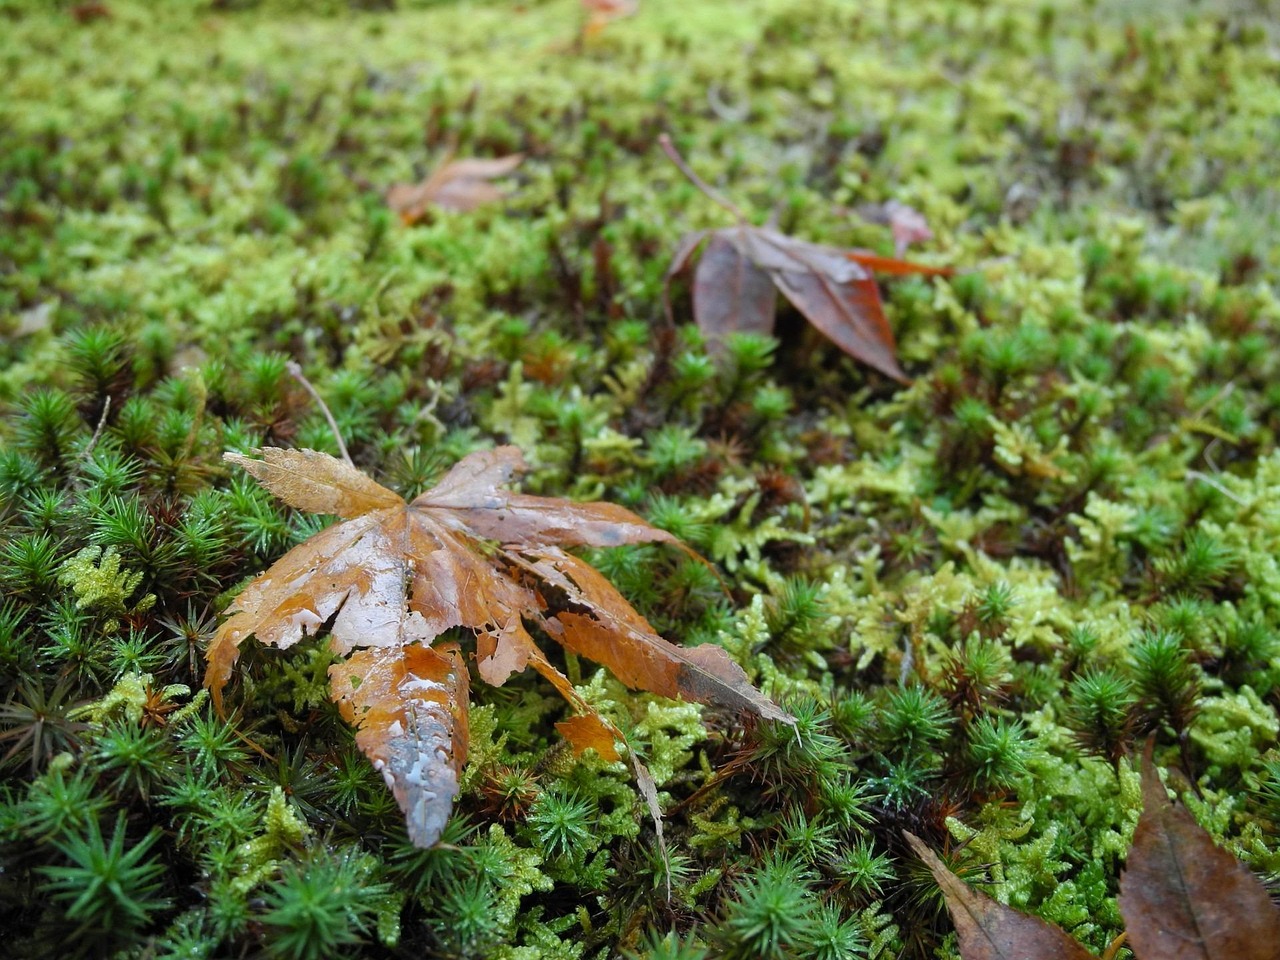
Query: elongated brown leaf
834, 293
409, 707
393, 576
989, 930
742, 269
730, 292
642, 660
459, 185
1183, 897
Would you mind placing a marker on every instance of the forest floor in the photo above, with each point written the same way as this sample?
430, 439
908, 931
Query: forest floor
979, 589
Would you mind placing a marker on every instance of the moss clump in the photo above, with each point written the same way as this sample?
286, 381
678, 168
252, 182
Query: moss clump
976, 591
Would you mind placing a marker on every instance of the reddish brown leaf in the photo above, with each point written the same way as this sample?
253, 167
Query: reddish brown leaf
392, 576
460, 185
742, 268
88, 12
731, 293
895, 268
601, 13
1183, 897
835, 294
989, 930
832, 288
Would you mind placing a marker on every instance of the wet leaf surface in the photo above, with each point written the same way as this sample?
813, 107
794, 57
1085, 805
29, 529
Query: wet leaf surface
393, 576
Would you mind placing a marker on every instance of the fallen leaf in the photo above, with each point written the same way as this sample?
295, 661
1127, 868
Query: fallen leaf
743, 268
393, 576
907, 224
459, 185
1185, 898
989, 930
601, 13
88, 12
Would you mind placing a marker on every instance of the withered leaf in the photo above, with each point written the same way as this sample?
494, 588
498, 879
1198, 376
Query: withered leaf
907, 224
458, 185
393, 576
601, 13
1185, 898
990, 930
743, 268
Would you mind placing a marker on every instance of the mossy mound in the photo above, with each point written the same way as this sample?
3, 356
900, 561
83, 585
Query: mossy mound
978, 593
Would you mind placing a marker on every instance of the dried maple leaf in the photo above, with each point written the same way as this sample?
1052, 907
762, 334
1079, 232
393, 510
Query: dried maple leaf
393, 576
601, 13
459, 185
736, 283
1185, 898
990, 930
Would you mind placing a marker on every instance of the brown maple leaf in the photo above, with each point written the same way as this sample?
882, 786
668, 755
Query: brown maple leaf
743, 268
459, 185
393, 576
1185, 898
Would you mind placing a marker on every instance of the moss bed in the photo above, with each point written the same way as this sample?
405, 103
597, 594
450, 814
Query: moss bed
979, 593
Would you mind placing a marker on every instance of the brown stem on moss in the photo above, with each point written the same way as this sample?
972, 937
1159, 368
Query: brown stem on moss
295, 371
669, 148
97, 433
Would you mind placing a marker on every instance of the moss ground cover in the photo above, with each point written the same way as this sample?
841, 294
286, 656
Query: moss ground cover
976, 593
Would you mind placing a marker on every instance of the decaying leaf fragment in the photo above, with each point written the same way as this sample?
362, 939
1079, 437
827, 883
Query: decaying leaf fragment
458, 185
393, 576
743, 268
1185, 898
990, 930
601, 13
907, 224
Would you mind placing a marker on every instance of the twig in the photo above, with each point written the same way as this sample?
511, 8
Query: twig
1205, 478
295, 371
97, 432
669, 148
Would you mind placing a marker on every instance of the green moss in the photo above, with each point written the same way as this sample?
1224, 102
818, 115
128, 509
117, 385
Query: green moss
985, 586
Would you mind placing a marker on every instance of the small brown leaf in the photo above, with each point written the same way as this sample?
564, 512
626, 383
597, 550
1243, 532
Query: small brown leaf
393, 576
907, 224
989, 930
601, 13
742, 268
731, 293
459, 185
1185, 898
832, 288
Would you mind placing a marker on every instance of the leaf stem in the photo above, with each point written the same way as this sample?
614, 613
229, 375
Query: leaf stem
295, 371
669, 148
